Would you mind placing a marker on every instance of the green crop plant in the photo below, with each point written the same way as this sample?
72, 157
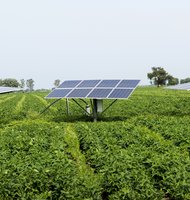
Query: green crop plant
140, 148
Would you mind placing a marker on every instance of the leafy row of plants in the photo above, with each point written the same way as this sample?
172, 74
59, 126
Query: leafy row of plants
144, 101
140, 150
39, 160
135, 162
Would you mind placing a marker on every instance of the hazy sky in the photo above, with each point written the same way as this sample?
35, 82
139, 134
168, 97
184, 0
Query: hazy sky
93, 39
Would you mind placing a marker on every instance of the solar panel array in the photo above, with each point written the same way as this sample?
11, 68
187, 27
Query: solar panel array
184, 86
8, 89
95, 89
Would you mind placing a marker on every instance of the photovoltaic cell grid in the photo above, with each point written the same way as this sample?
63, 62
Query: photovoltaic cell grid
69, 84
59, 93
8, 89
88, 83
184, 86
95, 89
79, 93
99, 93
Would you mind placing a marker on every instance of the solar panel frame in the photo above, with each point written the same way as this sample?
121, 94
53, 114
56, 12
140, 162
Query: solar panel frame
128, 83
184, 86
99, 93
88, 83
59, 93
97, 89
70, 84
4, 90
108, 83
120, 93
79, 93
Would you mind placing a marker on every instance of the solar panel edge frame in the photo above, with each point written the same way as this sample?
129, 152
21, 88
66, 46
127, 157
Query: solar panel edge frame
86, 97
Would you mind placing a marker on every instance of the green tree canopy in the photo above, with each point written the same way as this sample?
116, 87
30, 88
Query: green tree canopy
9, 82
160, 77
186, 80
30, 84
22, 83
172, 80
57, 82
1, 82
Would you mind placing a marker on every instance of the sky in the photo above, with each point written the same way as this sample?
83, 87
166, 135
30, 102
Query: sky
93, 39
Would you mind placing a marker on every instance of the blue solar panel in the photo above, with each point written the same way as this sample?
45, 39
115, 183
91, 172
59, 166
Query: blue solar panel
120, 93
99, 93
9, 89
101, 89
59, 93
88, 83
70, 84
128, 83
80, 93
108, 83
183, 86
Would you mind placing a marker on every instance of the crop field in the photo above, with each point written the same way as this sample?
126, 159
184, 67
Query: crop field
138, 150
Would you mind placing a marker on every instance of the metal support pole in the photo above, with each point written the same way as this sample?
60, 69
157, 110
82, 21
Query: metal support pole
95, 112
109, 106
50, 106
67, 106
91, 104
84, 101
80, 106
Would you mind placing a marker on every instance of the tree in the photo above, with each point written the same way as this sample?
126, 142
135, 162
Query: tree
57, 82
22, 83
159, 76
30, 84
186, 80
10, 82
1, 82
172, 80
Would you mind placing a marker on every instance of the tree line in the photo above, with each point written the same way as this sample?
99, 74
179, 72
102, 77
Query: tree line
11, 82
160, 77
28, 84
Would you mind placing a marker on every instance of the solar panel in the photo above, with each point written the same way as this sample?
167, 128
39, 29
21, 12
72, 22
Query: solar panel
69, 84
95, 89
120, 93
99, 93
108, 83
9, 89
79, 93
59, 93
128, 83
184, 86
88, 83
